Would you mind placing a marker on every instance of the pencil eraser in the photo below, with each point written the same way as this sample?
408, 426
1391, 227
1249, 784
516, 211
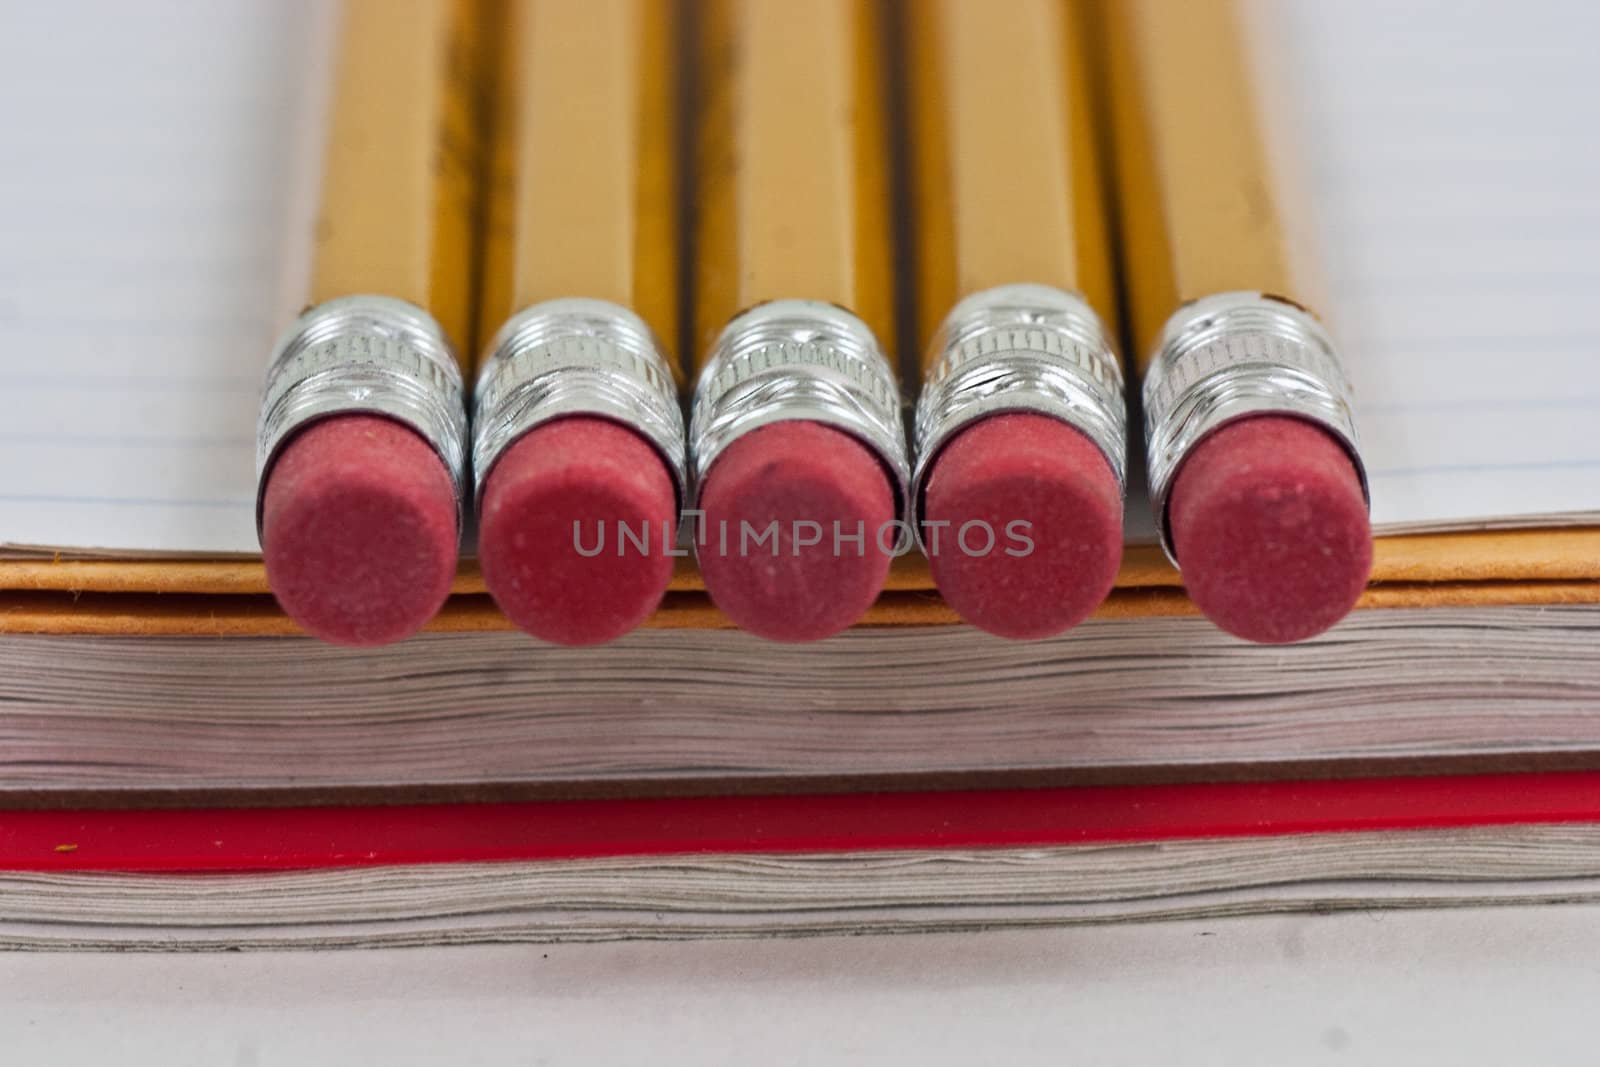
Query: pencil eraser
1270, 528
575, 525
798, 530
1022, 523
359, 531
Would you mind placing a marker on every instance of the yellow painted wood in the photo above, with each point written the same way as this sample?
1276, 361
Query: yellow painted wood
1200, 212
584, 187
792, 173
1006, 182
403, 180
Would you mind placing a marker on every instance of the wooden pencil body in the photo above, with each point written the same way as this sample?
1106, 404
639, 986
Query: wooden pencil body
1011, 246
1201, 213
1005, 177
1251, 446
402, 185
583, 195
388, 327
792, 169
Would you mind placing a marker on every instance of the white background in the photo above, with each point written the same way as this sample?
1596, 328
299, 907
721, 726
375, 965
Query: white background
1508, 985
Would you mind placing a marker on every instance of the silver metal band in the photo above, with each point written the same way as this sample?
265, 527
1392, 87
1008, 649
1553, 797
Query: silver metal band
364, 354
575, 357
1022, 348
1229, 356
799, 359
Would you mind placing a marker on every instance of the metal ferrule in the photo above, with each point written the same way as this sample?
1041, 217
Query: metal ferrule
1225, 357
370, 355
575, 357
799, 359
1018, 348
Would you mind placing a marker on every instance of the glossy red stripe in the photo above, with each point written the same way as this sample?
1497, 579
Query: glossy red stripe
285, 838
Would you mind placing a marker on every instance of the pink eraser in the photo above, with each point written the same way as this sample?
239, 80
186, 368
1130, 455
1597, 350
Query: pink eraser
1022, 523
1270, 528
798, 530
359, 531
576, 522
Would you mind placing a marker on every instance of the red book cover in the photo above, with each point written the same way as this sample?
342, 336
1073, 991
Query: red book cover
244, 839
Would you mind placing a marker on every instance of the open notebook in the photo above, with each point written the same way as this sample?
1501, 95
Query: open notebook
1450, 162
156, 222
157, 211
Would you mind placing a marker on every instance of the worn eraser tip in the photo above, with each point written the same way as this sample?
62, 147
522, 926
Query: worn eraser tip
1022, 524
798, 530
358, 530
576, 526
1269, 526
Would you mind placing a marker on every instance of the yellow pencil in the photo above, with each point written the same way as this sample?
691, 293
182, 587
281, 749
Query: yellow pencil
1021, 426
361, 446
797, 442
1255, 473
578, 446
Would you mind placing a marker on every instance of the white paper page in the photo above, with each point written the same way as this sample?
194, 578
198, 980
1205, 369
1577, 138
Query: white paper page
1451, 157
157, 178
1478, 986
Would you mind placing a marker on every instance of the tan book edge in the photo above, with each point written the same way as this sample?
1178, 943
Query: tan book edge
258, 616
1537, 555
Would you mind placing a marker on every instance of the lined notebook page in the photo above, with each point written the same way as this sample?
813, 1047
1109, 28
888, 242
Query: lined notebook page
157, 187
1451, 154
